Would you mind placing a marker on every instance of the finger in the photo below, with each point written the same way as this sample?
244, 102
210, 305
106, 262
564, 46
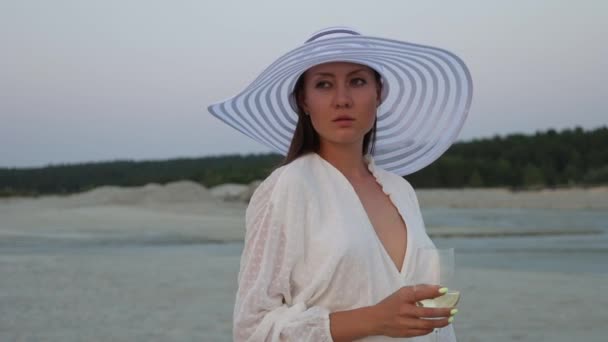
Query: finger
425, 291
417, 311
420, 311
421, 323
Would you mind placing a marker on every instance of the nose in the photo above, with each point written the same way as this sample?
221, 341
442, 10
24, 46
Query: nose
343, 98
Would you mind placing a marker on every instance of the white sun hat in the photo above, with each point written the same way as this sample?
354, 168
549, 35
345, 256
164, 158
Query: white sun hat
427, 93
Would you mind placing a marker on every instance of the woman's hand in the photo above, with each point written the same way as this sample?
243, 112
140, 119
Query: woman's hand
398, 315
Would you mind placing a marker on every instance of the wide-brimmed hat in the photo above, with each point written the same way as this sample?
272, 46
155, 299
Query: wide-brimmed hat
426, 96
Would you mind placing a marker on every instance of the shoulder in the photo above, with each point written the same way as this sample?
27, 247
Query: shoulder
285, 183
282, 197
393, 183
391, 179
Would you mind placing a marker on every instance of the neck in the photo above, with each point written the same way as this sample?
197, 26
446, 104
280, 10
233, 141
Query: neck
348, 159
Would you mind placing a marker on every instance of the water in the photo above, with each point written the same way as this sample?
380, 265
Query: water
111, 293
563, 253
130, 289
516, 218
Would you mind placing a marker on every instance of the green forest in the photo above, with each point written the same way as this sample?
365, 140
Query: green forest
571, 157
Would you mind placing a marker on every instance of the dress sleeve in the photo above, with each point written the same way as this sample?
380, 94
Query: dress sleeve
264, 310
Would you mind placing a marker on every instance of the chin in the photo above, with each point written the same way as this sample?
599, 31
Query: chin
350, 135
346, 139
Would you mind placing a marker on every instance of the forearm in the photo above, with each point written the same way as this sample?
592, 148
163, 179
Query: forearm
352, 324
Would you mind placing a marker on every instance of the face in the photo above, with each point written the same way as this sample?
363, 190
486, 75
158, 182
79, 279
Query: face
341, 99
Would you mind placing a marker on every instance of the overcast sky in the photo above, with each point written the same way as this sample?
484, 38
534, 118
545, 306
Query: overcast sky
131, 79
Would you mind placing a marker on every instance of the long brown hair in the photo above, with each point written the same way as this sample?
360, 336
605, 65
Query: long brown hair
306, 139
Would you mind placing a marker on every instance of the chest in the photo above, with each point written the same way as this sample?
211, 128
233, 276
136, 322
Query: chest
386, 220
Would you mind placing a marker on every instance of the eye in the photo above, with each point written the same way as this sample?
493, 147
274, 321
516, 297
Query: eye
322, 84
358, 82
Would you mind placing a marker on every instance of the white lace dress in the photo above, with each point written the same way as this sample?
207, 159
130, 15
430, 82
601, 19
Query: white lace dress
310, 249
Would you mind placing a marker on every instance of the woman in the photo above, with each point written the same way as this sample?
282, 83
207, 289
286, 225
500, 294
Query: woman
328, 252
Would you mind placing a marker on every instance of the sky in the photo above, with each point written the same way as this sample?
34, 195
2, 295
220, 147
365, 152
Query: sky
84, 81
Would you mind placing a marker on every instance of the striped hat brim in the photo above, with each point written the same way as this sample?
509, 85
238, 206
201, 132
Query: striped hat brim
427, 93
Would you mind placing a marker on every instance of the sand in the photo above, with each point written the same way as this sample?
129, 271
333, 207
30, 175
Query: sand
122, 214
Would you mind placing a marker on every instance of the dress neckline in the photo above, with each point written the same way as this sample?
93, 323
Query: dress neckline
376, 173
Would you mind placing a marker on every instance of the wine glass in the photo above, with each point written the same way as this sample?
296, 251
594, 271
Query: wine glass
436, 267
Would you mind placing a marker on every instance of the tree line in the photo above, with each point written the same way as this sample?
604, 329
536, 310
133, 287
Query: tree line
572, 157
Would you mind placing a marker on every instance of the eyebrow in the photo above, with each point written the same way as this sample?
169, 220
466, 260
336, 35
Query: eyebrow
332, 75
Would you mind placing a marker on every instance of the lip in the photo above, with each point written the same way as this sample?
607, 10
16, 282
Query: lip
343, 118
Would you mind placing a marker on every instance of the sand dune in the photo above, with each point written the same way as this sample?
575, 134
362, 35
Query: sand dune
177, 211
176, 192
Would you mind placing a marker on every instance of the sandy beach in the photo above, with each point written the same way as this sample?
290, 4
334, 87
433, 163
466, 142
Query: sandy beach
159, 263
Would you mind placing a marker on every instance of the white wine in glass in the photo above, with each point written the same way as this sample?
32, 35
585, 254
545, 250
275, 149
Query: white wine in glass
436, 267
448, 300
